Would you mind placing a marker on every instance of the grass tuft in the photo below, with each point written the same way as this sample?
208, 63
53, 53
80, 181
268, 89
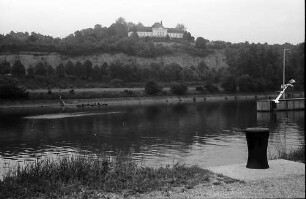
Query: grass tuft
297, 154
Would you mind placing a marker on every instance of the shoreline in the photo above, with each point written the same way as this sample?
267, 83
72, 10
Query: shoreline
120, 101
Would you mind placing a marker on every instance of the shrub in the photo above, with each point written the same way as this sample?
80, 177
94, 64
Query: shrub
129, 92
210, 87
49, 91
200, 88
116, 82
178, 88
229, 83
245, 83
11, 89
152, 88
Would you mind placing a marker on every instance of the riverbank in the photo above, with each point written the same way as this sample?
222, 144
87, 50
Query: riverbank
119, 101
130, 181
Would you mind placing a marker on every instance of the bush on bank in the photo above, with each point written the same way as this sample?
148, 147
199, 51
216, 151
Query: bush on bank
11, 89
178, 88
152, 88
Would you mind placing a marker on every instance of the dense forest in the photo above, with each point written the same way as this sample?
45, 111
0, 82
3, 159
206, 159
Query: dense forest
252, 67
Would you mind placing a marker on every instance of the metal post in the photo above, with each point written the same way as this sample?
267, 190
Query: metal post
284, 71
257, 140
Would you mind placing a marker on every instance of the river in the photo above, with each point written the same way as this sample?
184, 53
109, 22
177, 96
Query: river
206, 133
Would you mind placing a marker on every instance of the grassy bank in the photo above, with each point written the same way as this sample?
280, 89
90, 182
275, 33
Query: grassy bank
297, 154
88, 177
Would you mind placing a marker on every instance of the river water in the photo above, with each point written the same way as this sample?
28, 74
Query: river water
206, 133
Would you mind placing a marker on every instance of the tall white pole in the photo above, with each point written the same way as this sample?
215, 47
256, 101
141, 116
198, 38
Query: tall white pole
284, 70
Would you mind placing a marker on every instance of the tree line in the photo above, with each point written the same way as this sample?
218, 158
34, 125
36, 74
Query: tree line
252, 68
112, 39
257, 67
105, 72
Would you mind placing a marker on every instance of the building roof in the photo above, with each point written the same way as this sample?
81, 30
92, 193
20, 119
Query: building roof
157, 25
174, 30
144, 29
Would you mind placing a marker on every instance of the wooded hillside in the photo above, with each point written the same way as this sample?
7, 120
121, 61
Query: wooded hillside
108, 55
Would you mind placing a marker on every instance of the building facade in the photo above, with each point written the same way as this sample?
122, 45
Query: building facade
157, 30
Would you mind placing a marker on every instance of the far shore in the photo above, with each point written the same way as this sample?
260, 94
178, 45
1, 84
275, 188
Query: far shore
119, 101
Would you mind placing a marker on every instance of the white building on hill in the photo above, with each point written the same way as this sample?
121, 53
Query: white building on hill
158, 30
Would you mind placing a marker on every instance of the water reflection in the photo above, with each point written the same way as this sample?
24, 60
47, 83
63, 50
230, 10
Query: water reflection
207, 133
286, 127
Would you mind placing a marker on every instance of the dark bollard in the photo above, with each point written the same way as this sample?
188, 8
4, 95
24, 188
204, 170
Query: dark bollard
257, 140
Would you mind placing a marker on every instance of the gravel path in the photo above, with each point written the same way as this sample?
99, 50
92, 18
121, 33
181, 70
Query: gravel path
287, 187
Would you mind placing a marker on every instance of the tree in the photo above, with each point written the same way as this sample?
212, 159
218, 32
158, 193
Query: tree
5, 67
60, 70
96, 73
245, 83
210, 87
88, 68
200, 42
134, 35
97, 27
167, 38
11, 89
229, 83
18, 69
50, 70
202, 67
30, 71
178, 88
172, 72
121, 20
40, 69
70, 68
80, 71
152, 88
187, 36
119, 28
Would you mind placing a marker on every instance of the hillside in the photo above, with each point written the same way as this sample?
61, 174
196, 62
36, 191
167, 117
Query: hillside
108, 57
216, 59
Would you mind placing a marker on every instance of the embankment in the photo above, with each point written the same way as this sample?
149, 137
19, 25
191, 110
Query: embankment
93, 103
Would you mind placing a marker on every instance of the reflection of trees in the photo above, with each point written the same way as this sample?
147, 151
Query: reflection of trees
139, 127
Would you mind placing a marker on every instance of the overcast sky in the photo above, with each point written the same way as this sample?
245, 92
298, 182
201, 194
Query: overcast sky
258, 21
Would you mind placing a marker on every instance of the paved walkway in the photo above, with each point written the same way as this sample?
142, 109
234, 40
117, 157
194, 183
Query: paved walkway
284, 179
278, 169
